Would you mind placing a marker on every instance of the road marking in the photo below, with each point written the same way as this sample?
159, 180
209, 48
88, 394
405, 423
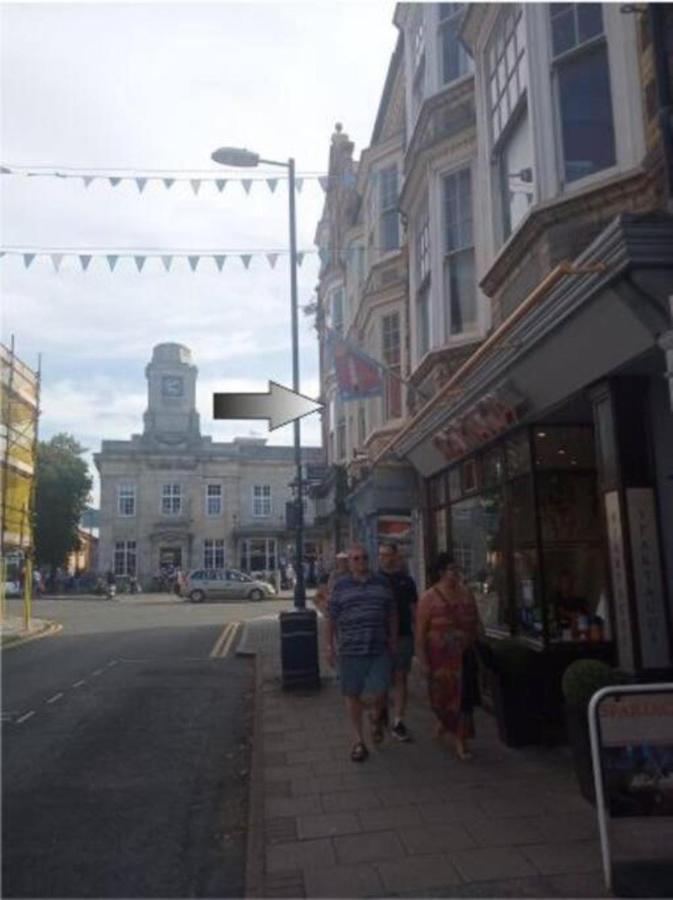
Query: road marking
219, 643
230, 640
55, 697
25, 716
80, 683
97, 672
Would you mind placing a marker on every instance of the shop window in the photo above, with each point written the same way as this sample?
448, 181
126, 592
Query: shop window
478, 539
564, 447
469, 476
440, 532
455, 492
438, 491
517, 452
493, 467
528, 618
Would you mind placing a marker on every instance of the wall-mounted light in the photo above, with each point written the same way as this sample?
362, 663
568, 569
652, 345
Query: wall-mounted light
525, 175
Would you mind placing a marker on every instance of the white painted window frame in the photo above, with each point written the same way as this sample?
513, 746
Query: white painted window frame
208, 497
265, 501
132, 490
172, 494
127, 550
212, 547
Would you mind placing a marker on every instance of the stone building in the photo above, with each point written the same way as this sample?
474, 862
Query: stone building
172, 497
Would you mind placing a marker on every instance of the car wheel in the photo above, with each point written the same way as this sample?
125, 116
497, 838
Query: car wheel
256, 594
197, 596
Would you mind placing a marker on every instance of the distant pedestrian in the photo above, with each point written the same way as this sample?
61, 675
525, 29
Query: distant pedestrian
406, 598
447, 627
362, 631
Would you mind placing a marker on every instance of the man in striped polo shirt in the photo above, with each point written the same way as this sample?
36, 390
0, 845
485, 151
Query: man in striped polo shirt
362, 624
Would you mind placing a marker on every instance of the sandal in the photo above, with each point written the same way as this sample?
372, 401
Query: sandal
359, 753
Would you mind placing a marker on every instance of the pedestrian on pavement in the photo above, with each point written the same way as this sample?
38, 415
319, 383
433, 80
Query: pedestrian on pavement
406, 598
447, 627
362, 624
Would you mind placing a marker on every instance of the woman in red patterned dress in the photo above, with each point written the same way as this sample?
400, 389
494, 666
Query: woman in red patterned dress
447, 627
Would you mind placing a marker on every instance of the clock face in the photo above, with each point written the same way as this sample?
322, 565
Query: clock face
171, 386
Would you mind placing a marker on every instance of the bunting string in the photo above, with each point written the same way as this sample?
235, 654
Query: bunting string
85, 257
116, 177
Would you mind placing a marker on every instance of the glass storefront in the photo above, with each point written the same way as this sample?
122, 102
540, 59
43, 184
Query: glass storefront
522, 519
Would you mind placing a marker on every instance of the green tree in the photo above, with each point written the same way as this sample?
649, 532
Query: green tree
62, 491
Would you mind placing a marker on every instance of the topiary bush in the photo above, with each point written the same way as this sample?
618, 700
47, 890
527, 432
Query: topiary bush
584, 677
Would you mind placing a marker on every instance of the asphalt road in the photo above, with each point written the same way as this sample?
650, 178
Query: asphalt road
126, 751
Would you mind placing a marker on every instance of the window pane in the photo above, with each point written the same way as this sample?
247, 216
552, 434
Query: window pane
459, 278
586, 114
389, 230
589, 20
563, 32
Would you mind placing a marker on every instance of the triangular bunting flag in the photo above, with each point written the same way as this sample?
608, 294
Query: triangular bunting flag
219, 261
27, 259
300, 258
196, 184
193, 262
245, 259
84, 261
5, 171
247, 184
168, 182
87, 179
323, 182
273, 259
56, 259
114, 181
140, 183
299, 184
2, 253
221, 184
273, 184
112, 262
168, 262
140, 262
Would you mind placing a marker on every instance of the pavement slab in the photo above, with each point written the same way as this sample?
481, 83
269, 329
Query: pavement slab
413, 820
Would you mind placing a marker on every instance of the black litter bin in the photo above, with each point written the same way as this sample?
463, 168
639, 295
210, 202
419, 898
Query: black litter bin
299, 648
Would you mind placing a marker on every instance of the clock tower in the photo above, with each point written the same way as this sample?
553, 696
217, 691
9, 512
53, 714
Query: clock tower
171, 416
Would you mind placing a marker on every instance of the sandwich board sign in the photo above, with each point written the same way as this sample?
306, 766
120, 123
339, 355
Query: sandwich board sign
631, 729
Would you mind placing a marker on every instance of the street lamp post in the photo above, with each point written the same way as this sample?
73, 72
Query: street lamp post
235, 156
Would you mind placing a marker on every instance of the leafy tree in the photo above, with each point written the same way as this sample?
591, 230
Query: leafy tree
62, 491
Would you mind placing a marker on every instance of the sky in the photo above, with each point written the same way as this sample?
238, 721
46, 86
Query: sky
155, 87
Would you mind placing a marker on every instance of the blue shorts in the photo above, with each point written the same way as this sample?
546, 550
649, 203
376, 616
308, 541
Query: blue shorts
369, 675
404, 653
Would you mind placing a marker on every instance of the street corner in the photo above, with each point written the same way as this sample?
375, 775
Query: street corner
14, 633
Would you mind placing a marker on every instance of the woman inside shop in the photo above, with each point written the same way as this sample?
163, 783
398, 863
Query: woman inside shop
447, 627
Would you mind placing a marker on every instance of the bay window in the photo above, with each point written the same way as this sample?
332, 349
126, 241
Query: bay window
507, 79
453, 58
388, 214
582, 86
422, 256
460, 299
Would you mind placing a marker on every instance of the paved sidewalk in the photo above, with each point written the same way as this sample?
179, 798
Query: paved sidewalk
412, 821
13, 629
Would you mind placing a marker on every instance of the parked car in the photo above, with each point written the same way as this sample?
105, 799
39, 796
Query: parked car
224, 584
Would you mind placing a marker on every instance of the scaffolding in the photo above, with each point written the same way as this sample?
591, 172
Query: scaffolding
19, 414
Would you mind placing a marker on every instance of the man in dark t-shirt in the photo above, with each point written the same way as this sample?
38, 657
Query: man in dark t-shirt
406, 598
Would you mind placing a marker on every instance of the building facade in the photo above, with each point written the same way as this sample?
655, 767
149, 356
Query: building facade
535, 191
171, 497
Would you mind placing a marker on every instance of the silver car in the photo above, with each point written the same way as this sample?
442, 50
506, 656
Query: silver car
224, 584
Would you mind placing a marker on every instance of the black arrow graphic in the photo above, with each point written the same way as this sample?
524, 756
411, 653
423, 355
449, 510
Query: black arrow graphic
279, 405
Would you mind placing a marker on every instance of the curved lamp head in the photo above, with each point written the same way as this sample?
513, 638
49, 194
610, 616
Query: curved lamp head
235, 156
